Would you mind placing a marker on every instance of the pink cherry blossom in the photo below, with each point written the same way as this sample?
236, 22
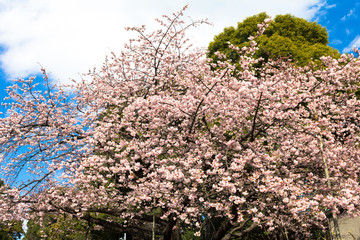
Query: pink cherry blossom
157, 129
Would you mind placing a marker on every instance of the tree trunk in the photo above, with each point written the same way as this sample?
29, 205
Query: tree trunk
221, 232
168, 232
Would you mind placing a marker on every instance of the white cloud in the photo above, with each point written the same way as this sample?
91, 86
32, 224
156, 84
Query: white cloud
330, 6
68, 37
350, 13
354, 43
336, 42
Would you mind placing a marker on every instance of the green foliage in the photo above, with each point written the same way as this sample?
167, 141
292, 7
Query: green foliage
63, 227
286, 37
10, 230
55, 227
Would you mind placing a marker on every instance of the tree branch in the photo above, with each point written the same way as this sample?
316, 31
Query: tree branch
202, 100
254, 120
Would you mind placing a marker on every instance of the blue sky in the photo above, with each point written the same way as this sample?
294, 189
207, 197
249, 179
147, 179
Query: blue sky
341, 18
70, 37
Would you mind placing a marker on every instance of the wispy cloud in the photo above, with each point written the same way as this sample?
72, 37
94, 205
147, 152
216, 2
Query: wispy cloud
69, 37
330, 6
320, 10
351, 13
336, 42
354, 43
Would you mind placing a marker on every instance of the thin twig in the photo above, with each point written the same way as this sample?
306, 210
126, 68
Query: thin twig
255, 116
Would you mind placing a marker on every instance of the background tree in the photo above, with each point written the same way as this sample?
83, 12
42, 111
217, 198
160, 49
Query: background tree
64, 227
10, 230
286, 37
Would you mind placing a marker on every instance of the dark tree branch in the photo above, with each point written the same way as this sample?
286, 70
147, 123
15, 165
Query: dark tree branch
223, 229
229, 235
249, 229
254, 120
202, 100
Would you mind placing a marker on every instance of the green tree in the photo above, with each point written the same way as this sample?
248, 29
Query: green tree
10, 230
286, 37
64, 227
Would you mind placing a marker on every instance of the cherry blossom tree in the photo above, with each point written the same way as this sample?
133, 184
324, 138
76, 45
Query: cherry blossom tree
157, 140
